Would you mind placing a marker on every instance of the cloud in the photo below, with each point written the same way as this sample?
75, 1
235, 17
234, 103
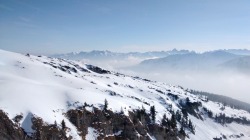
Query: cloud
232, 84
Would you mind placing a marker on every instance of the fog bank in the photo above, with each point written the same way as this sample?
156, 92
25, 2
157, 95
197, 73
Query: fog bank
232, 84
224, 82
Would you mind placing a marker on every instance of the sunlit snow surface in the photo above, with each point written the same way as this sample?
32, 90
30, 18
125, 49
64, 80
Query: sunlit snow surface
32, 86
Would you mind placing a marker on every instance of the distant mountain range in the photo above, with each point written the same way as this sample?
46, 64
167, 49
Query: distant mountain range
238, 51
105, 55
190, 60
215, 60
180, 60
96, 54
115, 60
241, 64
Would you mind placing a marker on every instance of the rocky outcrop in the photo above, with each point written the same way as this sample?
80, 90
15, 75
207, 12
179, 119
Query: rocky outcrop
10, 130
109, 124
42, 131
97, 69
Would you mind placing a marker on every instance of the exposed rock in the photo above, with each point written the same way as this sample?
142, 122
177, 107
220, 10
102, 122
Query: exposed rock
108, 124
97, 69
42, 131
45, 131
10, 130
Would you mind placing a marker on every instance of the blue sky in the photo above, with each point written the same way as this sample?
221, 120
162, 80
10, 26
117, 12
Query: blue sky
59, 26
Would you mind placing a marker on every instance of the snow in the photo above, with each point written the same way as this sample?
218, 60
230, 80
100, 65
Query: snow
115, 134
31, 86
215, 129
151, 137
26, 123
92, 134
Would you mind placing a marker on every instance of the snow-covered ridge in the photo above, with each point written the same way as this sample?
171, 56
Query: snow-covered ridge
48, 87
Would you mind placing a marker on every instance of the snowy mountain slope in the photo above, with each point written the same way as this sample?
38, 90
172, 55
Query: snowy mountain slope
49, 87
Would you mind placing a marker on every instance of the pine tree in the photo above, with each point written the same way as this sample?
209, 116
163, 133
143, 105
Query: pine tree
178, 116
55, 123
122, 112
216, 118
187, 100
184, 112
141, 113
105, 108
191, 126
164, 121
173, 121
85, 104
164, 116
143, 110
63, 124
210, 114
152, 113
182, 131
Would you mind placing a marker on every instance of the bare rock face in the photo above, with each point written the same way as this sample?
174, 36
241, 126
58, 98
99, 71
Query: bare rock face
10, 130
42, 131
98, 70
47, 132
109, 124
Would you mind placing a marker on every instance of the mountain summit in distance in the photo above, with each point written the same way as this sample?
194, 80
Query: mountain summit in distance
97, 54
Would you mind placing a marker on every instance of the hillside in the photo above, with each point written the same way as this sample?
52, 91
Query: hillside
241, 64
223, 99
39, 93
243, 52
191, 61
